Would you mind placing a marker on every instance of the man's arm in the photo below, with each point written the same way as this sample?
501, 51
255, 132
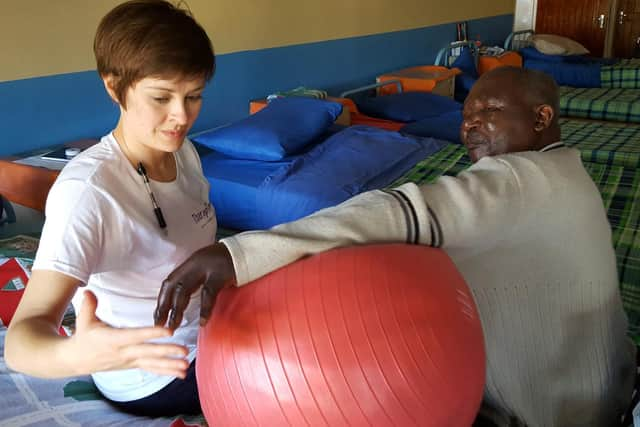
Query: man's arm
473, 210
397, 215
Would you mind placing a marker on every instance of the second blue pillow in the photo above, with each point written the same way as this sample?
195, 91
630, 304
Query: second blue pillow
408, 106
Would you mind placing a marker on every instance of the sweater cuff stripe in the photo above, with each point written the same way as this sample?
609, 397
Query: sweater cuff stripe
412, 219
439, 240
407, 216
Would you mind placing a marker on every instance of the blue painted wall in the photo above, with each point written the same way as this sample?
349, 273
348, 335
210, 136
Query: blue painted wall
45, 111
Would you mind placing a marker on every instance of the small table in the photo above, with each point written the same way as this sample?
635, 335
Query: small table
34, 157
26, 179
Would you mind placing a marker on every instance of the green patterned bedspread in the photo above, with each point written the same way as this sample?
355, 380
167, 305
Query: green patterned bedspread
620, 189
627, 62
451, 160
623, 74
604, 142
611, 104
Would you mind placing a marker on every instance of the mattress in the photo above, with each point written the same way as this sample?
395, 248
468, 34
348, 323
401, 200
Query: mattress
603, 142
624, 74
585, 71
574, 74
235, 186
620, 190
621, 105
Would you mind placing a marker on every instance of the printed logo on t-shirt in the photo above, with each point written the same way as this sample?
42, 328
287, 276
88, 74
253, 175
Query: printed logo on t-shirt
203, 216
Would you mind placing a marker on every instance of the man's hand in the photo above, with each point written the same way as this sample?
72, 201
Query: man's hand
211, 267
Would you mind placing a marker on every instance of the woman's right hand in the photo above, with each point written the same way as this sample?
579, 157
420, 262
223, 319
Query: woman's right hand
34, 347
96, 346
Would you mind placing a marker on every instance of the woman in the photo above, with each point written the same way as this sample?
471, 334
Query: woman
120, 217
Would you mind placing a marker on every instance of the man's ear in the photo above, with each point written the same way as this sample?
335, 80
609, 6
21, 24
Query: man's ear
109, 85
544, 117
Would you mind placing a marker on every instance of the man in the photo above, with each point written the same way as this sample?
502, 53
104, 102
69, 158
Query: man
526, 227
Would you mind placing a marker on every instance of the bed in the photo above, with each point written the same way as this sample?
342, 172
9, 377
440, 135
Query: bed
254, 188
249, 194
576, 70
375, 105
464, 56
604, 142
358, 117
608, 104
587, 102
599, 141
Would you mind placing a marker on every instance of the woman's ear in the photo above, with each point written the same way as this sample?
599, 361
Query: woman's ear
109, 85
544, 117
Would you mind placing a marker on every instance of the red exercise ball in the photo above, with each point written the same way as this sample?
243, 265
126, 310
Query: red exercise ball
365, 335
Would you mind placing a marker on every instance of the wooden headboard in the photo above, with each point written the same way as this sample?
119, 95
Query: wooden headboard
26, 185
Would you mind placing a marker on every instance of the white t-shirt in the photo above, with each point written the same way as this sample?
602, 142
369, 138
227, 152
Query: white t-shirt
101, 229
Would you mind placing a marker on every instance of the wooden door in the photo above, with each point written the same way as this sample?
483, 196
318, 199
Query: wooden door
579, 20
627, 29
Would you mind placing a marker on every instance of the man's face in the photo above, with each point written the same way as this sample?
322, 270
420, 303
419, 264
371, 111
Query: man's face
497, 119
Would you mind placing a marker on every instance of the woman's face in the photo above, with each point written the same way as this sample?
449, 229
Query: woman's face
161, 111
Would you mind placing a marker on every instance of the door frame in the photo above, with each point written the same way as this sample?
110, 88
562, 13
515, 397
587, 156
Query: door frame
525, 15
610, 36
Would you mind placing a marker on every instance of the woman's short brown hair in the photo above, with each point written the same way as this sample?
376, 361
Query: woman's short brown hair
142, 38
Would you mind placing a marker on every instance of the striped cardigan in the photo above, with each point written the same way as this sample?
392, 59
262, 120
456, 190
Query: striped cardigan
529, 233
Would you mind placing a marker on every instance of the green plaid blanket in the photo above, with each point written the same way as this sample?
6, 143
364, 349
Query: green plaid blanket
603, 142
451, 160
624, 74
612, 104
620, 190
627, 62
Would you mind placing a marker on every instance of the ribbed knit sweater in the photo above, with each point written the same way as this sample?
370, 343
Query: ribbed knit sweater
529, 233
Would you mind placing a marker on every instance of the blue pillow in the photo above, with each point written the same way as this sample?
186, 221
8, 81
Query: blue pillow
569, 74
446, 127
407, 106
284, 127
463, 85
466, 62
531, 52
